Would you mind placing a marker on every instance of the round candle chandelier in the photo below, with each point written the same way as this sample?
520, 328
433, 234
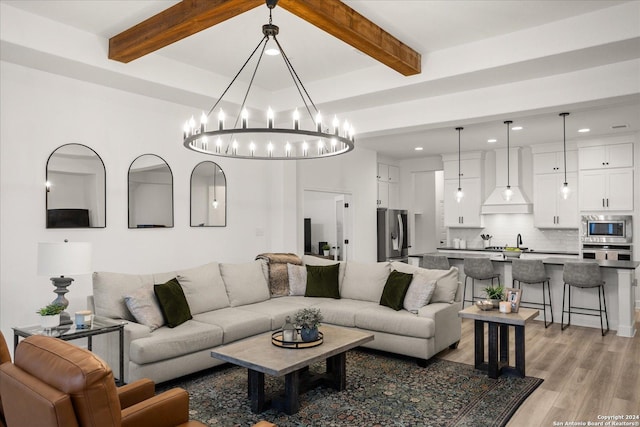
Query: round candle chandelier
249, 141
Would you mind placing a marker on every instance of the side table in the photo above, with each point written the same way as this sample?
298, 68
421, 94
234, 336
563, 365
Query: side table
70, 332
498, 324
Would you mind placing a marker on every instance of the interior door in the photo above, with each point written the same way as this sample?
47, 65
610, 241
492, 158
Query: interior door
343, 225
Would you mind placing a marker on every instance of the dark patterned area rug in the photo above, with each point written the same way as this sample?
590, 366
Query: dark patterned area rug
382, 390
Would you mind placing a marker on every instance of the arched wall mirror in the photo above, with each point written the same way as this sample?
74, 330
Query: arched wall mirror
208, 196
75, 188
150, 193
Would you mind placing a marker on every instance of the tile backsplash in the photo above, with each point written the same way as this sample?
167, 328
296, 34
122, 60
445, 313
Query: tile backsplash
505, 227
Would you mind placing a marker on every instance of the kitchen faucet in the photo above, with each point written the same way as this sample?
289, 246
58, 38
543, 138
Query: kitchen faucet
518, 240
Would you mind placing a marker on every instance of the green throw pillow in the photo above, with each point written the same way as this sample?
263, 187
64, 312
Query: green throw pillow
322, 281
395, 289
173, 303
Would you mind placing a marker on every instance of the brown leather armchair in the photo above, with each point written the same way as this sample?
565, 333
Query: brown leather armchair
54, 383
5, 357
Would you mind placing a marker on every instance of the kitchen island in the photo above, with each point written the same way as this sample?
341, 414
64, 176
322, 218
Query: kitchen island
620, 286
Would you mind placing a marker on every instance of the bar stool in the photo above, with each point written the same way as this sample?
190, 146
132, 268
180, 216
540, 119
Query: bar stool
435, 262
477, 269
530, 272
584, 275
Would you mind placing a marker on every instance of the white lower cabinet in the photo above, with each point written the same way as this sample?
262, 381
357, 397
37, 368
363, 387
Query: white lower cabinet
606, 189
467, 212
550, 209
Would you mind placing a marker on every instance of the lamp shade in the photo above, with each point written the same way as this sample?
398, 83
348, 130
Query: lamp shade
64, 258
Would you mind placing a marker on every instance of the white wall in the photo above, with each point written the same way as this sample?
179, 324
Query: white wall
321, 208
41, 111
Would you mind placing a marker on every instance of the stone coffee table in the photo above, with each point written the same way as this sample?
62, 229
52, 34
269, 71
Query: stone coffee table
260, 357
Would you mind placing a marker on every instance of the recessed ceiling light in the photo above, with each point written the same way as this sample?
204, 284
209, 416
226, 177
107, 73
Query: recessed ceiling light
492, 140
517, 128
584, 130
272, 52
418, 148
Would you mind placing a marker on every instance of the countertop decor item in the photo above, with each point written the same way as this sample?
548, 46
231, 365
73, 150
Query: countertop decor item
273, 141
58, 259
308, 319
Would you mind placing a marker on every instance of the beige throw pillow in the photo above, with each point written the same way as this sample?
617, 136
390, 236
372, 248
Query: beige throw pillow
446, 280
297, 279
419, 293
365, 281
143, 305
245, 283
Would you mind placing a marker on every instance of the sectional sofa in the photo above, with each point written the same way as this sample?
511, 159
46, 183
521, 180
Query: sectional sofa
229, 302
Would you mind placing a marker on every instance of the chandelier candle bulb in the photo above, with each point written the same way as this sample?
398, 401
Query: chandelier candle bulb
336, 125
221, 120
186, 129
218, 145
245, 118
203, 123
296, 119
305, 148
234, 147
287, 149
270, 149
192, 125
252, 148
270, 118
318, 122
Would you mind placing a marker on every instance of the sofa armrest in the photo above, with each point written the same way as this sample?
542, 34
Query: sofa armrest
170, 409
136, 392
448, 323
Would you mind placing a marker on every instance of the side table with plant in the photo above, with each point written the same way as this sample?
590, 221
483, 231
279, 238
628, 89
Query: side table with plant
308, 319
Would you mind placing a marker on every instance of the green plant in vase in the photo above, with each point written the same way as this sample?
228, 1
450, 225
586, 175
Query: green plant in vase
308, 319
50, 315
495, 294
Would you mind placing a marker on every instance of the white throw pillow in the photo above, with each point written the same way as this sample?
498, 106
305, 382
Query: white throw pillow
419, 293
143, 305
245, 283
446, 280
365, 281
297, 279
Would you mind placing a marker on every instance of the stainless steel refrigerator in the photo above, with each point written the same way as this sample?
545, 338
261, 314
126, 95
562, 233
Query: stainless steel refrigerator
393, 235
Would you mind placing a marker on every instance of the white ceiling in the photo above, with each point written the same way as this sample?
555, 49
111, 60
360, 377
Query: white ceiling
454, 37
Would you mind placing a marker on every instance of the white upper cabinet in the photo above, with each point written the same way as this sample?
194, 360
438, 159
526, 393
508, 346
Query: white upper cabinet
554, 162
469, 168
466, 213
388, 186
606, 177
606, 156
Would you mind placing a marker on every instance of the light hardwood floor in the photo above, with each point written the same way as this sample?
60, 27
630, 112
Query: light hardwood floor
585, 375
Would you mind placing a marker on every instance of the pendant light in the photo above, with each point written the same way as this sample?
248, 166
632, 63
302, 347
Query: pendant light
565, 190
508, 192
459, 193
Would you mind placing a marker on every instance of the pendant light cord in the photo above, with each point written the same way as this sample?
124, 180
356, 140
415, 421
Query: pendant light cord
564, 142
459, 129
508, 122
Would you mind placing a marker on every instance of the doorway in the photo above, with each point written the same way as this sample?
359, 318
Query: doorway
330, 219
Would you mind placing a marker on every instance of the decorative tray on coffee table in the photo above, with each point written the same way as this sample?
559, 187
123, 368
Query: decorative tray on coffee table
278, 341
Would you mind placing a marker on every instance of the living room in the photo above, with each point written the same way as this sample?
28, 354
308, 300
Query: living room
58, 87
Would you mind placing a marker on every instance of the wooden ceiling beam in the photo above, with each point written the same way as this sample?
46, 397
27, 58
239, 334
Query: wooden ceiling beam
175, 23
336, 18
341, 21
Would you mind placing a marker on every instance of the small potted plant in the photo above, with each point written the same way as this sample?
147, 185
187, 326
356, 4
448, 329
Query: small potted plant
495, 294
308, 319
326, 249
50, 315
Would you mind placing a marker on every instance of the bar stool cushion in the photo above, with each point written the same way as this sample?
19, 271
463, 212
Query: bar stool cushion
582, 274
479, 268
528, 270
435, 262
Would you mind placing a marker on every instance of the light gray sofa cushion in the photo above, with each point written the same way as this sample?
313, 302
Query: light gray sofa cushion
143, 305
166, 343
446, 280
277, 309
364, 281
236, 323
204, 288
109, 290
245, 283
419, 293
385, 319
341, 312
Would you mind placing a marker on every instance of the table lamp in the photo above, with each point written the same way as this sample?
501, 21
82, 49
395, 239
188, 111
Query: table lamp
59, 259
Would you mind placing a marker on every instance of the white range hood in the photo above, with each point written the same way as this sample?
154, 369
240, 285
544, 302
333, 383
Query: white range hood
495, 203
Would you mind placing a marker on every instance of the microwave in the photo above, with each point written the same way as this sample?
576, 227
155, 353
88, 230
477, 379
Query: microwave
607, 229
